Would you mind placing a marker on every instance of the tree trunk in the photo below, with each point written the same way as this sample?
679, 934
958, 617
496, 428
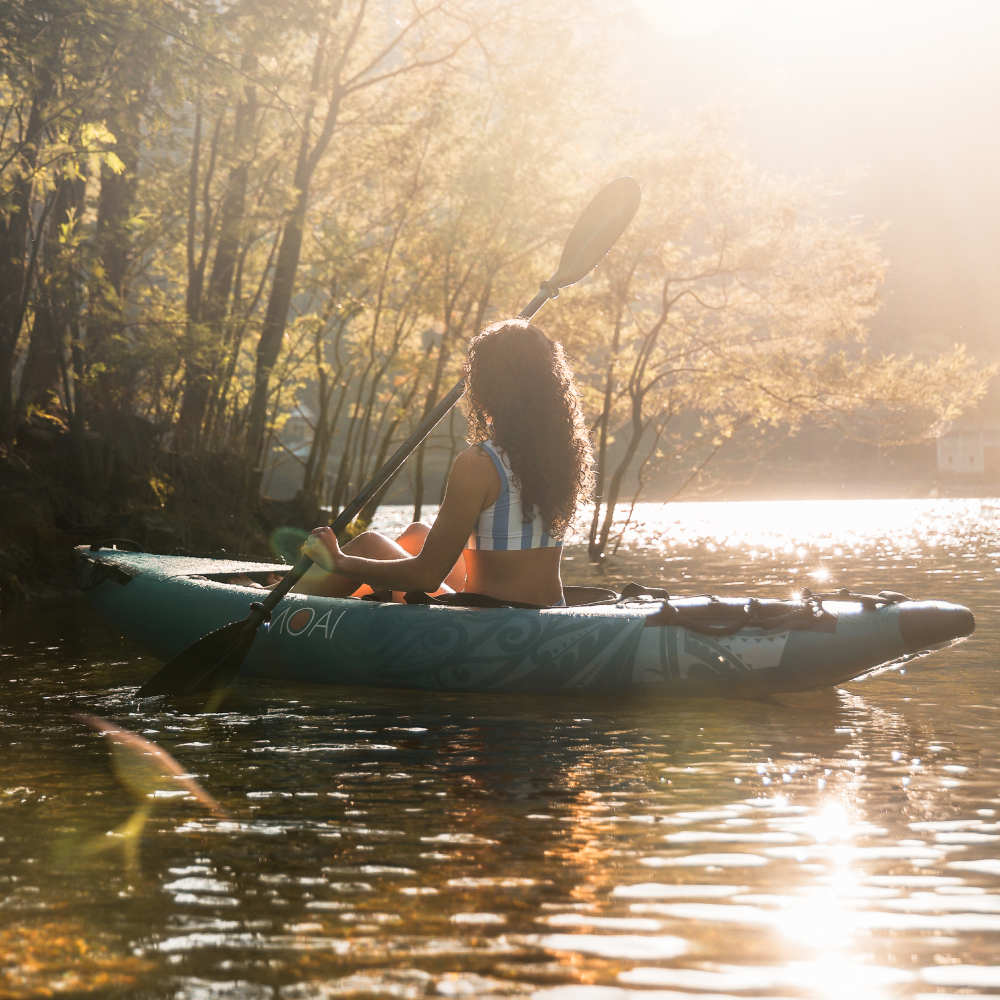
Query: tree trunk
429, 404
275, 320
367, 513
55, 305
314, 476
13, 250
112, 241
78, 416
199, 378
602, 447
42, 372
444, 352
345, 470
598, 551
283, 285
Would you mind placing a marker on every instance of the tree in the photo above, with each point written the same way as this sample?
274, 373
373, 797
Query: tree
737, 298
57, 71
359, 50
210, 212
439, 218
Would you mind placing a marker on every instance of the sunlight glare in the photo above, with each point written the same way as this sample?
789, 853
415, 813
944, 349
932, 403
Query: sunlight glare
831, 824
832, 977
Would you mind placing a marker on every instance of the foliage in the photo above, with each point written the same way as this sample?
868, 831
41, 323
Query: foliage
213, 214
741, 299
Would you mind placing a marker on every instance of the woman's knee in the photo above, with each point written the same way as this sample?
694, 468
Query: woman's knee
412, 539
372, 544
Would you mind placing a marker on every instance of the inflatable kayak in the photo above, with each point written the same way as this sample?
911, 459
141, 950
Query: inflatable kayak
642, 641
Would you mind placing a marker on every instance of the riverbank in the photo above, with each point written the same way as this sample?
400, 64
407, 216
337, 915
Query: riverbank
196, 504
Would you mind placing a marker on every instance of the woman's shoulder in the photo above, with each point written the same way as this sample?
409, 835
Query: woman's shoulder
474, 459
474, 465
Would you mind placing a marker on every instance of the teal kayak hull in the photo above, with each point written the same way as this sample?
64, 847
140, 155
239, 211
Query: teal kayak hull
165, 603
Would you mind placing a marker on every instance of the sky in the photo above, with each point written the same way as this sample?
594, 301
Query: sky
907, 89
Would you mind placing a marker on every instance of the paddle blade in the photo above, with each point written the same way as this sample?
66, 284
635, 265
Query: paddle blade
210, 663
597, 230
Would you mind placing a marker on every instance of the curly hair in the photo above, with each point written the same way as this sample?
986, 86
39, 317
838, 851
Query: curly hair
523, 381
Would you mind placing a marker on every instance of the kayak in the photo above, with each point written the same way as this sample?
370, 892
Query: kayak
642, 641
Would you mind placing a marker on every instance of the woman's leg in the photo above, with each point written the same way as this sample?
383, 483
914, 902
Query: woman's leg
373, 545
370, 545
412, 539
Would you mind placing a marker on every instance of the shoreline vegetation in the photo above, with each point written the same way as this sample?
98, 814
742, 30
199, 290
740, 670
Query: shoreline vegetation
217, 224
200, 507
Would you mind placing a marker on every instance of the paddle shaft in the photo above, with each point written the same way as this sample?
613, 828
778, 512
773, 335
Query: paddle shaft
407, 448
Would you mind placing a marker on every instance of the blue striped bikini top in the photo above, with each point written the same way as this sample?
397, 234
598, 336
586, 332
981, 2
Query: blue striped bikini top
500, 527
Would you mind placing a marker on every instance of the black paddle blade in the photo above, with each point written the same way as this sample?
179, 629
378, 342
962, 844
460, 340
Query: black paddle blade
597, 230
211, 662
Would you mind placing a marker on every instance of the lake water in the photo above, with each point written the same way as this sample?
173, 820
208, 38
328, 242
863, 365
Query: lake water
396, 844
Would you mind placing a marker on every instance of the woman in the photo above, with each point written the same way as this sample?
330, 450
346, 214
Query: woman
511, 496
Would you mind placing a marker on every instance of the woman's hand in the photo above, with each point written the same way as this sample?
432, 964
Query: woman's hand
322, 547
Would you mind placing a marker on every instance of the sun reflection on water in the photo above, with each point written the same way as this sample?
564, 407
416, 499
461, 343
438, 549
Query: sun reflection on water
829, 823
798, 543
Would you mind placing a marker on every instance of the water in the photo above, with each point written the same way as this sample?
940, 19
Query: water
840, 844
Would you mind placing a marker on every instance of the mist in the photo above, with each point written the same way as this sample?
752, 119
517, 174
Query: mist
905, 92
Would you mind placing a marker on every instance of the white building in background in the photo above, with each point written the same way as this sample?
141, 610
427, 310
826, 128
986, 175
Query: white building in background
970, 449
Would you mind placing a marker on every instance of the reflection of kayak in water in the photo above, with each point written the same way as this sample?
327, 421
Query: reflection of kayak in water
639, 643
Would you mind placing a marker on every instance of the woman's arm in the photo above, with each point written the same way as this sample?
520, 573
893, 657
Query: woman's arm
471, 481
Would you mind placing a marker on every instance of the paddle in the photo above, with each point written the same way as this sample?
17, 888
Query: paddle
213, 661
